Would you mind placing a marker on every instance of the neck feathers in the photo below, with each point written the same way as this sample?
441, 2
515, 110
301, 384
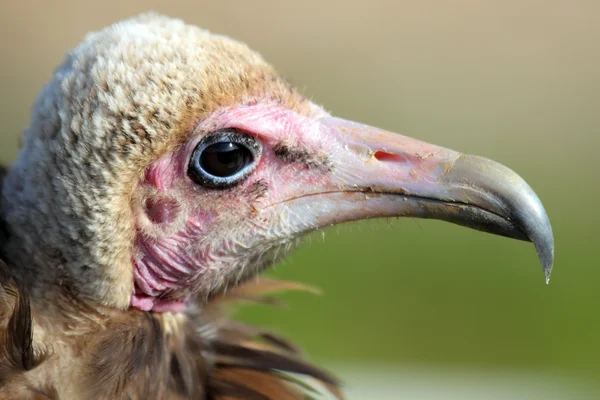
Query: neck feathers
106, 353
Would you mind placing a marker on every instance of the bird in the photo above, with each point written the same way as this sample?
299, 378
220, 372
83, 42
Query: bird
164, 168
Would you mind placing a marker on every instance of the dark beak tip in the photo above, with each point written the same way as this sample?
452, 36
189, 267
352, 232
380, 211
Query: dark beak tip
540, 233
546, 255
543, 240
501, 191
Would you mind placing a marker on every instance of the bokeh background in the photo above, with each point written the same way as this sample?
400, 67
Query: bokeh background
413, 309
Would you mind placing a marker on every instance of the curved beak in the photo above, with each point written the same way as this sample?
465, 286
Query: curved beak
376, 173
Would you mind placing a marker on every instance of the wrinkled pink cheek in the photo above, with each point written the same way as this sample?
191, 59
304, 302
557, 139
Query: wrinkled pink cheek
167, 265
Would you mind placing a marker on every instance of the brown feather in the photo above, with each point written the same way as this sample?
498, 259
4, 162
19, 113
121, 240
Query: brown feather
17, 352
138, 355
233, 382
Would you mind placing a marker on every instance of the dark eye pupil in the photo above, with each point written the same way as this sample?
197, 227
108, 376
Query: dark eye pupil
224, 159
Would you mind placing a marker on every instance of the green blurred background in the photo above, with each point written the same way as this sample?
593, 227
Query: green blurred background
514, 80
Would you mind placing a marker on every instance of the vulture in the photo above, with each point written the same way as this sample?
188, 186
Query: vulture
163, 169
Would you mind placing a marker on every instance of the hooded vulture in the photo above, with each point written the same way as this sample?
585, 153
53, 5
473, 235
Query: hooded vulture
165, 166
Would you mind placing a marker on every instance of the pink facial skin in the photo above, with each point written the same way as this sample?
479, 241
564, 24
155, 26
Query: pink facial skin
312, 172
186, 232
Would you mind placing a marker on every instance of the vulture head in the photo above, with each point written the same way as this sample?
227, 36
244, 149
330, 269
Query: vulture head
165, 163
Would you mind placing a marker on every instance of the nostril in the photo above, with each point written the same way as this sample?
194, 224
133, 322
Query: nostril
385, 156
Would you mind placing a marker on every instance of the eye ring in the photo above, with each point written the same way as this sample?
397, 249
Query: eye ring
224, 158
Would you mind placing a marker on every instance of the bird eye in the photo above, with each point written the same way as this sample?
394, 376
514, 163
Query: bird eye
224, 158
